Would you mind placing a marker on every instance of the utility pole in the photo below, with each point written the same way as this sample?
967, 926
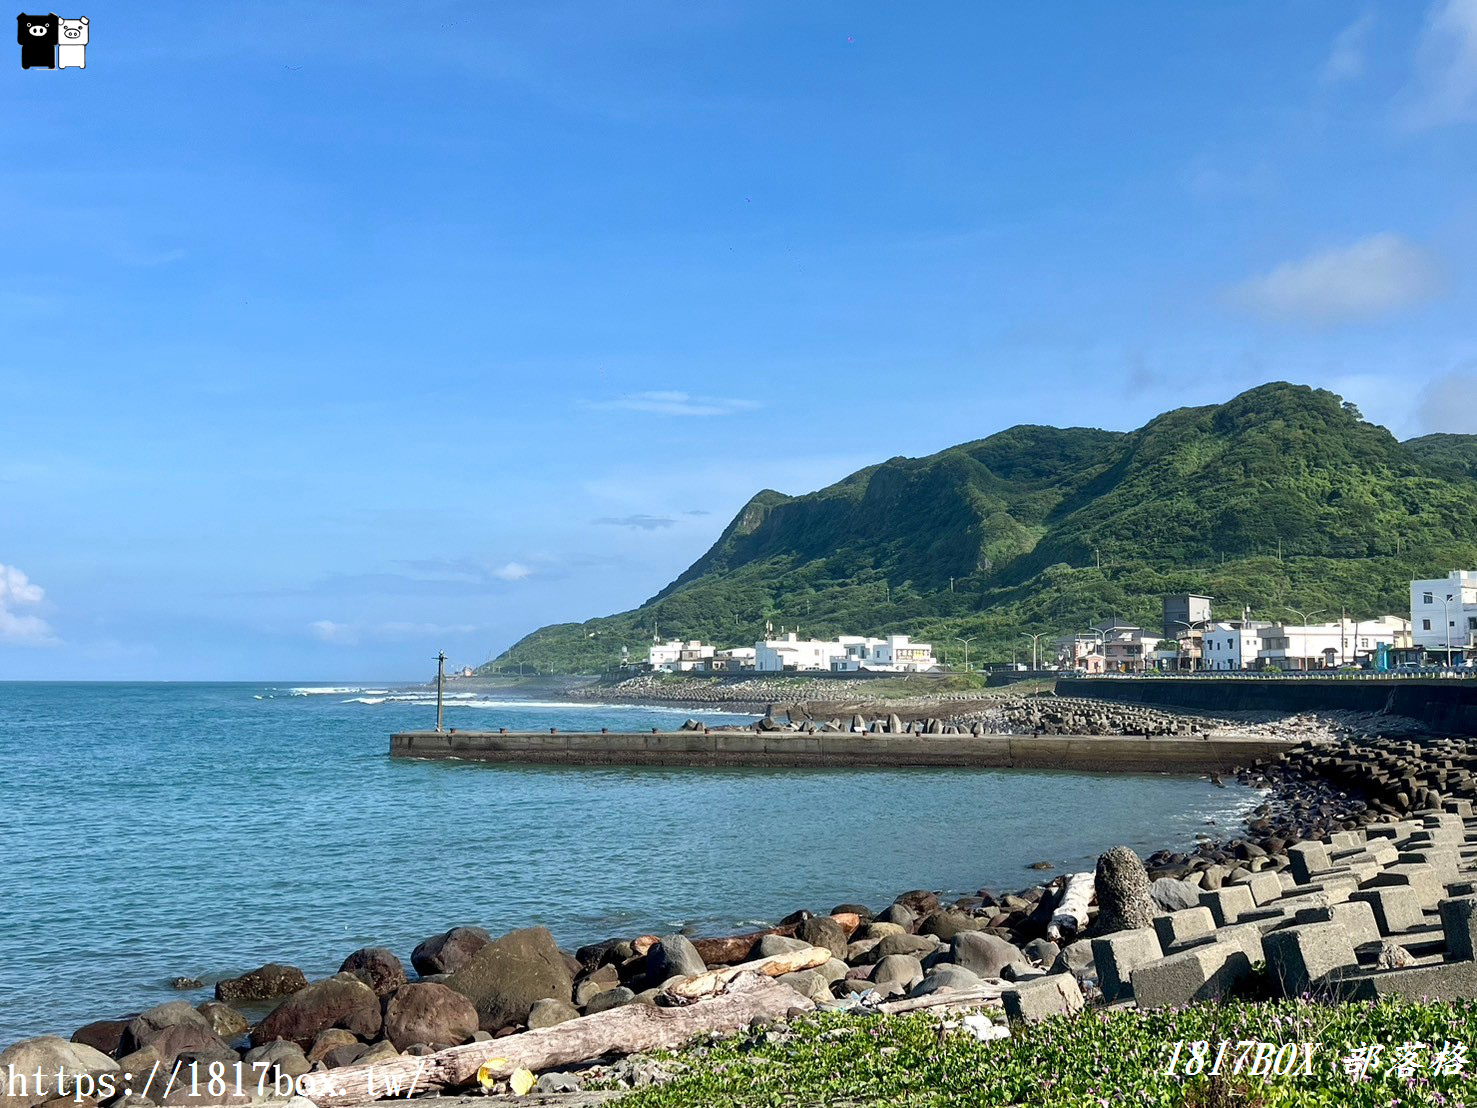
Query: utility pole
440, 681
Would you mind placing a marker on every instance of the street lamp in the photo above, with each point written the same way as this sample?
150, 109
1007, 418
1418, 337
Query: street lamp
966, 643
1035, 641
1307, 617
1187, 627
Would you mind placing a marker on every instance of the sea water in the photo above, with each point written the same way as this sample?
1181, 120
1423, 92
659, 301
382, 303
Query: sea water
151, 831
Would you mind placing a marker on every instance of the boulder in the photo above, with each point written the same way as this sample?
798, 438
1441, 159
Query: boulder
808, 984
919, 946
377, 968
105, 1036
600, 980
171, 1029
1122, 886
548, 1012
897, 914
377, 1054
878, 930
771, 946
983, 954
673, 956
1174, 895
427, 1013
224, 1020
326, 1042
948, 922
954, 978
825, 932
615, 998
901, 970
505, 977
339, 1001
263, 983
449, 951
51, 1055
920, 902
284, 1057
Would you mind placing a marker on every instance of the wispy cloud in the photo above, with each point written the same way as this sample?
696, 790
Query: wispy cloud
1346, 58
640, 521
352, 634
1449, 403
677, 404
1444, 87
1364, 280
19, 591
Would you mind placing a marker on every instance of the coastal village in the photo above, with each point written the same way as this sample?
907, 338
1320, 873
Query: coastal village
1441, 630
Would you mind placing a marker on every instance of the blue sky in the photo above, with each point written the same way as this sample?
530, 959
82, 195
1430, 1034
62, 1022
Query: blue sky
338, 334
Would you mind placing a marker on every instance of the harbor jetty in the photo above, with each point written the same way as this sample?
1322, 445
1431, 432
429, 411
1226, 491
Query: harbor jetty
839, 749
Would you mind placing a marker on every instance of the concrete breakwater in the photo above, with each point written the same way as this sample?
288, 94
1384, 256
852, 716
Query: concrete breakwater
1441, 704
769, 749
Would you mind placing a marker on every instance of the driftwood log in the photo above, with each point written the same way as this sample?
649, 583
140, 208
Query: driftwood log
732, 949
1071, 914
630, 1029
706, 984
986, 997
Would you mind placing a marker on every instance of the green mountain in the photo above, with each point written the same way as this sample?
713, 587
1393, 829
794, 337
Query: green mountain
1282, 496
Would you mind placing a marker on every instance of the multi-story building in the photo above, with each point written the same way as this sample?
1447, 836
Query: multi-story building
1232, 644
680, 657
849, 653
1443, 613
1185, 612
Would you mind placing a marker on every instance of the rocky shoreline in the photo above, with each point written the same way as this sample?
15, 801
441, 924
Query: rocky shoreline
1038, 950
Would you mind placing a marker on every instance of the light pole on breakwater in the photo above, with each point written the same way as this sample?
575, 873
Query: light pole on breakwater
440, 682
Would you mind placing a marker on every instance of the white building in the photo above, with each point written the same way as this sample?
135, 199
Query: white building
793, 652
847, 654
1443, 612
1233, 644
1327, 645
678, 656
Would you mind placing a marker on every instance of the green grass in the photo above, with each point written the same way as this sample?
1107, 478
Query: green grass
1096, 1058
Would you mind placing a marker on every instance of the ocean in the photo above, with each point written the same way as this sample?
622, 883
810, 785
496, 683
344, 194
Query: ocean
152, 831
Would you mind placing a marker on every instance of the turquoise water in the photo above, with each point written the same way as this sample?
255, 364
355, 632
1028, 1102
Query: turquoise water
154, 831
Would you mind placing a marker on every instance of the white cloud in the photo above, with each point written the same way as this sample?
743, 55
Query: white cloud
1449, 404
1345, 61
1366, 279
639, 521
1444, 88
512, 571
329, 631
678, 404
19, 591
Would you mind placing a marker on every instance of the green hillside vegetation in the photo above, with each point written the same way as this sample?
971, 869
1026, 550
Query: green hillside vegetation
1285, 495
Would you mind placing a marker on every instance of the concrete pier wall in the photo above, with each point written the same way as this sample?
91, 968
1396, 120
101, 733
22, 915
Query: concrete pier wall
748, 748
1443, 703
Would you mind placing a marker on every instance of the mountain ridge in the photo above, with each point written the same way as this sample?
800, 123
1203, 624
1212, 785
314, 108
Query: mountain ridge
1283, 495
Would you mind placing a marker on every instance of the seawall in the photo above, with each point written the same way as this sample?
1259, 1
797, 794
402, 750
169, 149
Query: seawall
748, 748
1444, 704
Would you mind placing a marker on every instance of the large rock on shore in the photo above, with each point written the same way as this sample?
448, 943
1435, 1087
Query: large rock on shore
982, 953
674, 956
1123, 896
171, 1030
105, 1036
429, 1013
263, 983
449, 951
505, 977
340, 1001
50, 1055
376, 967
